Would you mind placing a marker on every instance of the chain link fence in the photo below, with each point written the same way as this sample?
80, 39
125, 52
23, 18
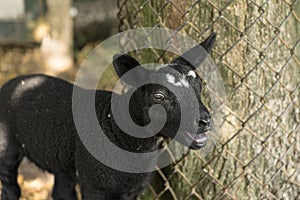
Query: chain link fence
258, 55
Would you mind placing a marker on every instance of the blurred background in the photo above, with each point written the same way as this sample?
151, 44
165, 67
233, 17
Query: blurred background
257, 52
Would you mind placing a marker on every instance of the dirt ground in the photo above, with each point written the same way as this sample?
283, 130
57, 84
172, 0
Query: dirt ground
34, 183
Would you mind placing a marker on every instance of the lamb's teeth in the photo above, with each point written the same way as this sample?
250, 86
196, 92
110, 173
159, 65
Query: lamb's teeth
201, 140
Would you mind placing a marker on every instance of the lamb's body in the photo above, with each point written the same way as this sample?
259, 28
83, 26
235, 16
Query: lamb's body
47, 102
36, 113
36, 121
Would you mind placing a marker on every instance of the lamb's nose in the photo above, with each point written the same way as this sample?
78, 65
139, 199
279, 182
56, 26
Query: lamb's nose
204, 122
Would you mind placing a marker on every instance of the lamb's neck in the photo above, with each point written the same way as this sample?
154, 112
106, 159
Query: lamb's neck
124, 140
131, 143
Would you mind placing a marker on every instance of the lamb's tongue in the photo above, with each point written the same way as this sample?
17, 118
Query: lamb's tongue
200, 138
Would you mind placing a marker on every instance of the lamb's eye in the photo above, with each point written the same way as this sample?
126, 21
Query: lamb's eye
158, 97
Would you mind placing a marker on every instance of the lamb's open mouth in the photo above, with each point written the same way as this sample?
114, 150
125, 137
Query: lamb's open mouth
199, 139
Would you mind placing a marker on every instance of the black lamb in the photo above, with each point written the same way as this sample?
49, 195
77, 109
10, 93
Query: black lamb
36, 121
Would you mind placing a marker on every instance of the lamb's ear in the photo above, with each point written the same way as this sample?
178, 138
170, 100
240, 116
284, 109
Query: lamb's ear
123, 63
209, 42
195, 56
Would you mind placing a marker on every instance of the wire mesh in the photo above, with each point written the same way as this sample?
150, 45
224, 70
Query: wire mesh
257, 53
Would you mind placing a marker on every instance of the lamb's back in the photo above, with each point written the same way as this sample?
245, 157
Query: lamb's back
38, 112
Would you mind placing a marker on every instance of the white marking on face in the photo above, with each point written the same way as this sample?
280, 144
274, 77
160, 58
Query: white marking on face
171, 79
182, 82
192, 74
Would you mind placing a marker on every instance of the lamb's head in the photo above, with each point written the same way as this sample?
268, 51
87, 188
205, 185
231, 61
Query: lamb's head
176, 87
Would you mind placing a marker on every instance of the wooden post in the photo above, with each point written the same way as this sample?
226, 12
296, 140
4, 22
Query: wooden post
57, 46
